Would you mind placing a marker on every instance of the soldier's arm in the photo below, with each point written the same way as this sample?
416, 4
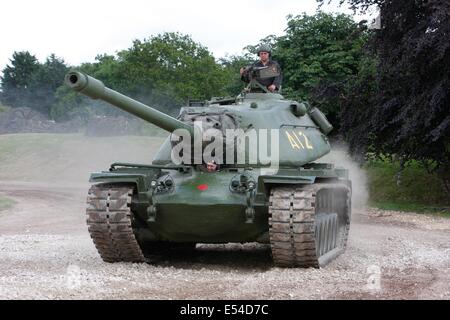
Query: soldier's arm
278, 79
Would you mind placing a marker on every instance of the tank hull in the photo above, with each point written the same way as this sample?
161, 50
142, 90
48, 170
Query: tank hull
202, 207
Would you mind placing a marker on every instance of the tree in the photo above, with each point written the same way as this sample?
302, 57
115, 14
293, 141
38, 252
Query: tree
44, 82
411, 114
27, 83
69, 104
163, 71
355, 98
319, 54
410, 110
230, 68
17, 77
172, 65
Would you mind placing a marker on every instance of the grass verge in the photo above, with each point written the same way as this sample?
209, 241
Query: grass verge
418, 191
5, 203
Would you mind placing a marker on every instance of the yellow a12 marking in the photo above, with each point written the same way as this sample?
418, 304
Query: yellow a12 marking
298, 140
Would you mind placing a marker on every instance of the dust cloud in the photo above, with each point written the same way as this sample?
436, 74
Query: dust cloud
68, 159
339, 155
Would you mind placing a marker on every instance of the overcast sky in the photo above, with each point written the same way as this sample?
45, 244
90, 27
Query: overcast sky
79, 30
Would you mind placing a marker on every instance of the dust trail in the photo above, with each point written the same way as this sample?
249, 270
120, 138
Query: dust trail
340, 157
68, 159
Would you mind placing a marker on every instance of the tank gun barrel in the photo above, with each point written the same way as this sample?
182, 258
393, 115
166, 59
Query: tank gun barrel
95, 89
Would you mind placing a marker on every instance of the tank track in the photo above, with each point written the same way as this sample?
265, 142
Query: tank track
306, 230
109, 220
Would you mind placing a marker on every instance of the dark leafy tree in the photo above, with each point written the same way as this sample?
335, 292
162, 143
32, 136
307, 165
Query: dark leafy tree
355, 98
411, 111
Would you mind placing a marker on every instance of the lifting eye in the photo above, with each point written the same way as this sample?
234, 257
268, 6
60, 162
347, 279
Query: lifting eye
168, 183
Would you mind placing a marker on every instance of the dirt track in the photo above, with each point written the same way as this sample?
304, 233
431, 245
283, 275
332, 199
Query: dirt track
46, 253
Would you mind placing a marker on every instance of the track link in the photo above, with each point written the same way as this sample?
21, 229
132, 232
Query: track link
308, 225
109, 221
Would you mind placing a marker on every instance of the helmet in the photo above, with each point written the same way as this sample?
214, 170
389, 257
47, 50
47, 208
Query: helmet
264, 48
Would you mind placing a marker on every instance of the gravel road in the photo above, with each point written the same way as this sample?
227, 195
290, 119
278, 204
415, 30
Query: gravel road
46, 253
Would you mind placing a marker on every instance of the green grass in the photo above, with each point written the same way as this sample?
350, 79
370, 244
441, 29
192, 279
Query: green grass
5, 203
49, 145
68, 158
410, 207
418, 191
19, 144
4, 108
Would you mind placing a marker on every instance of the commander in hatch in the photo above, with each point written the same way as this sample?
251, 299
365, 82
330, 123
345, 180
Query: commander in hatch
272, 84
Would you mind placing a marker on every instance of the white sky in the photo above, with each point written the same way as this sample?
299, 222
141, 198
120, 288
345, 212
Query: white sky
79, 30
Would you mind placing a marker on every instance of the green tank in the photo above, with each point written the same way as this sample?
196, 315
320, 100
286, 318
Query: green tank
238, 169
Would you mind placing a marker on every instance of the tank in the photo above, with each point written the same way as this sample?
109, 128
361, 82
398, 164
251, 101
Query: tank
234, 169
